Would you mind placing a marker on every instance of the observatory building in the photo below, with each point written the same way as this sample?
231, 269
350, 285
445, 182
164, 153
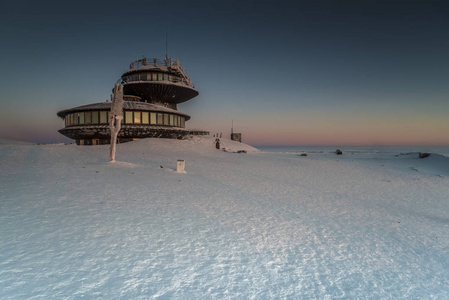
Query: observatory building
152, 90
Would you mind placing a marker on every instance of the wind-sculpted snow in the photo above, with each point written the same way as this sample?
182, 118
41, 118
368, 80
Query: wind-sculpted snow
235, 226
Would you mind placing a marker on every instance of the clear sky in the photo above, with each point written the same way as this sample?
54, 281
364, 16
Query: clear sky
287, 72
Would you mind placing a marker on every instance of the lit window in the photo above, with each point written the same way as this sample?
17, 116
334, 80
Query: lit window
95, 117
82, 118
137, 117
165, 76
145, 117
88, 117
159, 76
103, 117
166, 122
128, 117
154, 76
171, 120
159, 119
152, 118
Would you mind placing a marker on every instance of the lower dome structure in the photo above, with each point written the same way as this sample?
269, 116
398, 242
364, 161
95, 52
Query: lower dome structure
89, 124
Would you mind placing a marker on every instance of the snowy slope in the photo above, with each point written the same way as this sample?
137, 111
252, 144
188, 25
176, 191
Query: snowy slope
235, 226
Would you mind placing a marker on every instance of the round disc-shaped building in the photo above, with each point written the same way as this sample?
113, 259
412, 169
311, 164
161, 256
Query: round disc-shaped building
162, 82
152, 89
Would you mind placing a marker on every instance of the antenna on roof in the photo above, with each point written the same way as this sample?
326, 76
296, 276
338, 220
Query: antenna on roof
166, 47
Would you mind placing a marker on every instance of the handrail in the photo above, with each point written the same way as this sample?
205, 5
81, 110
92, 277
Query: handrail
149, 61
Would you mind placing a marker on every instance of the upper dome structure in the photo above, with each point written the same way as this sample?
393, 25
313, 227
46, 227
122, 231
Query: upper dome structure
164, 82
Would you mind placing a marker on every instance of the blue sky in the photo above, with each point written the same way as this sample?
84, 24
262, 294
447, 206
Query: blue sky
286, 72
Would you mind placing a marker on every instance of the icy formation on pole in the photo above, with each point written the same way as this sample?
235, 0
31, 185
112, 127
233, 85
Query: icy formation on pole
152, 90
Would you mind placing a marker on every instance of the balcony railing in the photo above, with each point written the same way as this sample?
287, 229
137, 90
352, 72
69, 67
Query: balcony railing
150, 61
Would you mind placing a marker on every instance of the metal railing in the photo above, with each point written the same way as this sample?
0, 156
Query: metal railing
150, 61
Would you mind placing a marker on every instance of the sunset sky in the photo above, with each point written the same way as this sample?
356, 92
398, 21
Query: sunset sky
287, 72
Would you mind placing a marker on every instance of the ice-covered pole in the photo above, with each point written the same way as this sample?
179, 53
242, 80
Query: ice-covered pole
180, 166
116, 117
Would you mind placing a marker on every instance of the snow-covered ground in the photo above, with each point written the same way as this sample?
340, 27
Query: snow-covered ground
235, 226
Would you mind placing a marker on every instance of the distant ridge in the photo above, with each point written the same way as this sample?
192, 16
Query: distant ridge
6, 141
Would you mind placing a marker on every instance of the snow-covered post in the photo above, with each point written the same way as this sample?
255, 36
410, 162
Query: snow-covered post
180, 166
116, 117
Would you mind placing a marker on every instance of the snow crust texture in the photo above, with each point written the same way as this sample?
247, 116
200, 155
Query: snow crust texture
235, 226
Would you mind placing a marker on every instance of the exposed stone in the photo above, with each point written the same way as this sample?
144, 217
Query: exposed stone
423, 154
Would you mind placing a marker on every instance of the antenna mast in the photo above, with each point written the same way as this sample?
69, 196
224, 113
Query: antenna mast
166, 47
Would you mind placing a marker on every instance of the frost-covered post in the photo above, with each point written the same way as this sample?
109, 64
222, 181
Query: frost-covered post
180, 166
116, 117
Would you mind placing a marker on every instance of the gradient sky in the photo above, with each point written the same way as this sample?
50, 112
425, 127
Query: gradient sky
287, 72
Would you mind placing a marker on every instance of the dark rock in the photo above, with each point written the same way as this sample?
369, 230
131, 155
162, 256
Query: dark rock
338, 152
423, 155
303, 154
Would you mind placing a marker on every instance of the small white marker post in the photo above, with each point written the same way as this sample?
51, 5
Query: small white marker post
180, 166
